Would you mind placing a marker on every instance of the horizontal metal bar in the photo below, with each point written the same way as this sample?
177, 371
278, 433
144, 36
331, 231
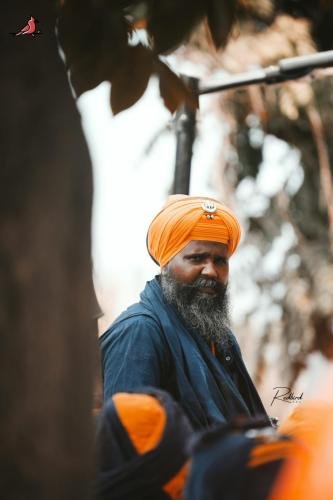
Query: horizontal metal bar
286, 69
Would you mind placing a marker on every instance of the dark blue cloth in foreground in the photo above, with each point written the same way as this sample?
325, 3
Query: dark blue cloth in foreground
123, 473
220, 463
149, 344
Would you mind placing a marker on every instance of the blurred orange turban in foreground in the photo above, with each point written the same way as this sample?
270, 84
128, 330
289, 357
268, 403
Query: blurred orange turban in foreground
186, 218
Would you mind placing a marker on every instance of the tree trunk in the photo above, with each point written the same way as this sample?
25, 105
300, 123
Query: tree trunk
47, 351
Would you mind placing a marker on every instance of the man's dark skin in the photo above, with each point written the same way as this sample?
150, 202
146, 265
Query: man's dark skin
206, 259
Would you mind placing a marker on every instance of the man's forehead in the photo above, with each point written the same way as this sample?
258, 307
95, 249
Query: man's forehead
203, 246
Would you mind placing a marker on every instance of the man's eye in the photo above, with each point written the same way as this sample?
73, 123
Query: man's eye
196, 258
221, 261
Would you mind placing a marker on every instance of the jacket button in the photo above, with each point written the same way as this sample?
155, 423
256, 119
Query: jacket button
228, 358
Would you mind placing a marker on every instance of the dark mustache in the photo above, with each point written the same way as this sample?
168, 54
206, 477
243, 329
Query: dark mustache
206, 282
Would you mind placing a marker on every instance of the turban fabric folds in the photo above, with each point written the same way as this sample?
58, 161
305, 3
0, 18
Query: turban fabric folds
230, 463
141, 440
186, 218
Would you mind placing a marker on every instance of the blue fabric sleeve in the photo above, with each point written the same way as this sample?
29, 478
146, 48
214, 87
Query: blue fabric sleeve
134, 354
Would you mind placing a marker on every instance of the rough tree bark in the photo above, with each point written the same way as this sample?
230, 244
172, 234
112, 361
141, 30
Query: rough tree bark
47, 341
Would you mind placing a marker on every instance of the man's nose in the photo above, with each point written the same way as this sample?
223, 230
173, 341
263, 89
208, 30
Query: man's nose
209, 270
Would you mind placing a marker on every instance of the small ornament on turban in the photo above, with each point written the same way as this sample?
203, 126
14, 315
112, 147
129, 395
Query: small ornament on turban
186, 218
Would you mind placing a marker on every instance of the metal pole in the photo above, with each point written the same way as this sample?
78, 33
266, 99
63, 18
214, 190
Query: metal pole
185, 134
285, 69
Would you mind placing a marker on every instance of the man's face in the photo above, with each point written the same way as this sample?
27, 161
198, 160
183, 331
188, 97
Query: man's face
201, 259
195, 281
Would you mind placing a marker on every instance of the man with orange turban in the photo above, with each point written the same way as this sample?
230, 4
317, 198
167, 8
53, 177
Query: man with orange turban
137, 434
177, 337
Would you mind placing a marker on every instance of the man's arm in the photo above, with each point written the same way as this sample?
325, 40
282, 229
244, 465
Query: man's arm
134, 354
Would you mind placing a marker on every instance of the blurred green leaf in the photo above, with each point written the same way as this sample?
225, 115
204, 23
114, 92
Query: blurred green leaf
171, 22
131, 78
173, 90
94, 41
220, 17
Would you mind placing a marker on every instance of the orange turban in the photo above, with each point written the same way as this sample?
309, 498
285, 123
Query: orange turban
145, 419
185, 218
